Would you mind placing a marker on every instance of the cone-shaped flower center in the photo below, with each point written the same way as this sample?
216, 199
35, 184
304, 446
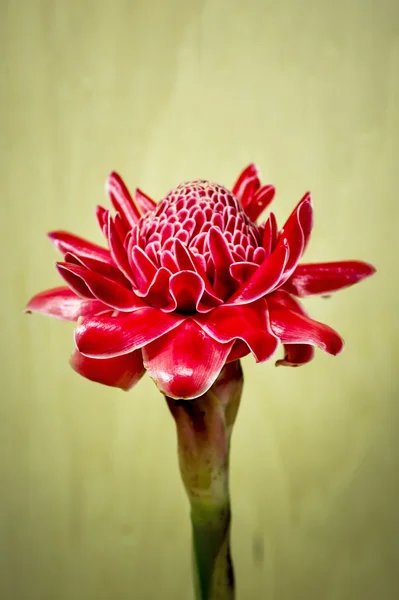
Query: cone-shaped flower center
188, 212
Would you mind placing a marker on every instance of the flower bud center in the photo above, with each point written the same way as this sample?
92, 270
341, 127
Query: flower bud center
189, 211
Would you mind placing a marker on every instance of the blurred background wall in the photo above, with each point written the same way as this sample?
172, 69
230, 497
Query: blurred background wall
91, 506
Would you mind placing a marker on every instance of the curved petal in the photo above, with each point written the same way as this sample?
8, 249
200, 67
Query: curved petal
76, 283
296, 231
99, 267
208, 302
269, 237
122, 200
143, 269
168, 261
306, 219
185, 292
323, 278
247, 192
183, 257
62, 303
296, 355
121, 228
242, 271
118, 251
110, 292
157, 293
112, 336
259, 255
239, 350
68, 242
101, 216
247, 184
186, 289
144, 202
249, 322
187, 261
295, 328
265, 278
121, 371
185, 362
260, 201
281, 299
224, 284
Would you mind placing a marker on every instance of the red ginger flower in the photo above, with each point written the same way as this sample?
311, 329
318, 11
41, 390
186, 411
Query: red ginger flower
190, 284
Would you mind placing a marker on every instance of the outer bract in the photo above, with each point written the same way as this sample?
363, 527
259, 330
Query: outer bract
190, 284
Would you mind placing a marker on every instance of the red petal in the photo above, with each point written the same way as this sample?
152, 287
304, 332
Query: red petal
259, 255
75, 282
296, 355
249, 323
269, 237
247, 192
185, 362
67, 242
144, 202
239, 350
242, 271
104, 227
63, 303
112, 336
99, 267
186, 289
122, 200
281, 299
168, 261
102, 216
118, 251
246, 185
295, 328
322, 278
121, 228
208, 302
260, 201
157, 293
183, 257
224, 284
184, 260
265, 278
143, 268
297, 230
121, 371
110, 292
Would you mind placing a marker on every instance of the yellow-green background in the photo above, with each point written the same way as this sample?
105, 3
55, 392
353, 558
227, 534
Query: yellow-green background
91, 506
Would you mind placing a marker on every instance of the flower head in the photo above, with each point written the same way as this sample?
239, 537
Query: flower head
190, 284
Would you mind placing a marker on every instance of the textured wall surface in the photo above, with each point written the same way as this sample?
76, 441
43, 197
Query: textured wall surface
91, 506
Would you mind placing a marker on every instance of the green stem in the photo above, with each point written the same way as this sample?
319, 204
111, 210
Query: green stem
204, 428
213, 567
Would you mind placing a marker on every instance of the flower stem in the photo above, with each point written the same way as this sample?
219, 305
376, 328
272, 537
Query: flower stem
204, 428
